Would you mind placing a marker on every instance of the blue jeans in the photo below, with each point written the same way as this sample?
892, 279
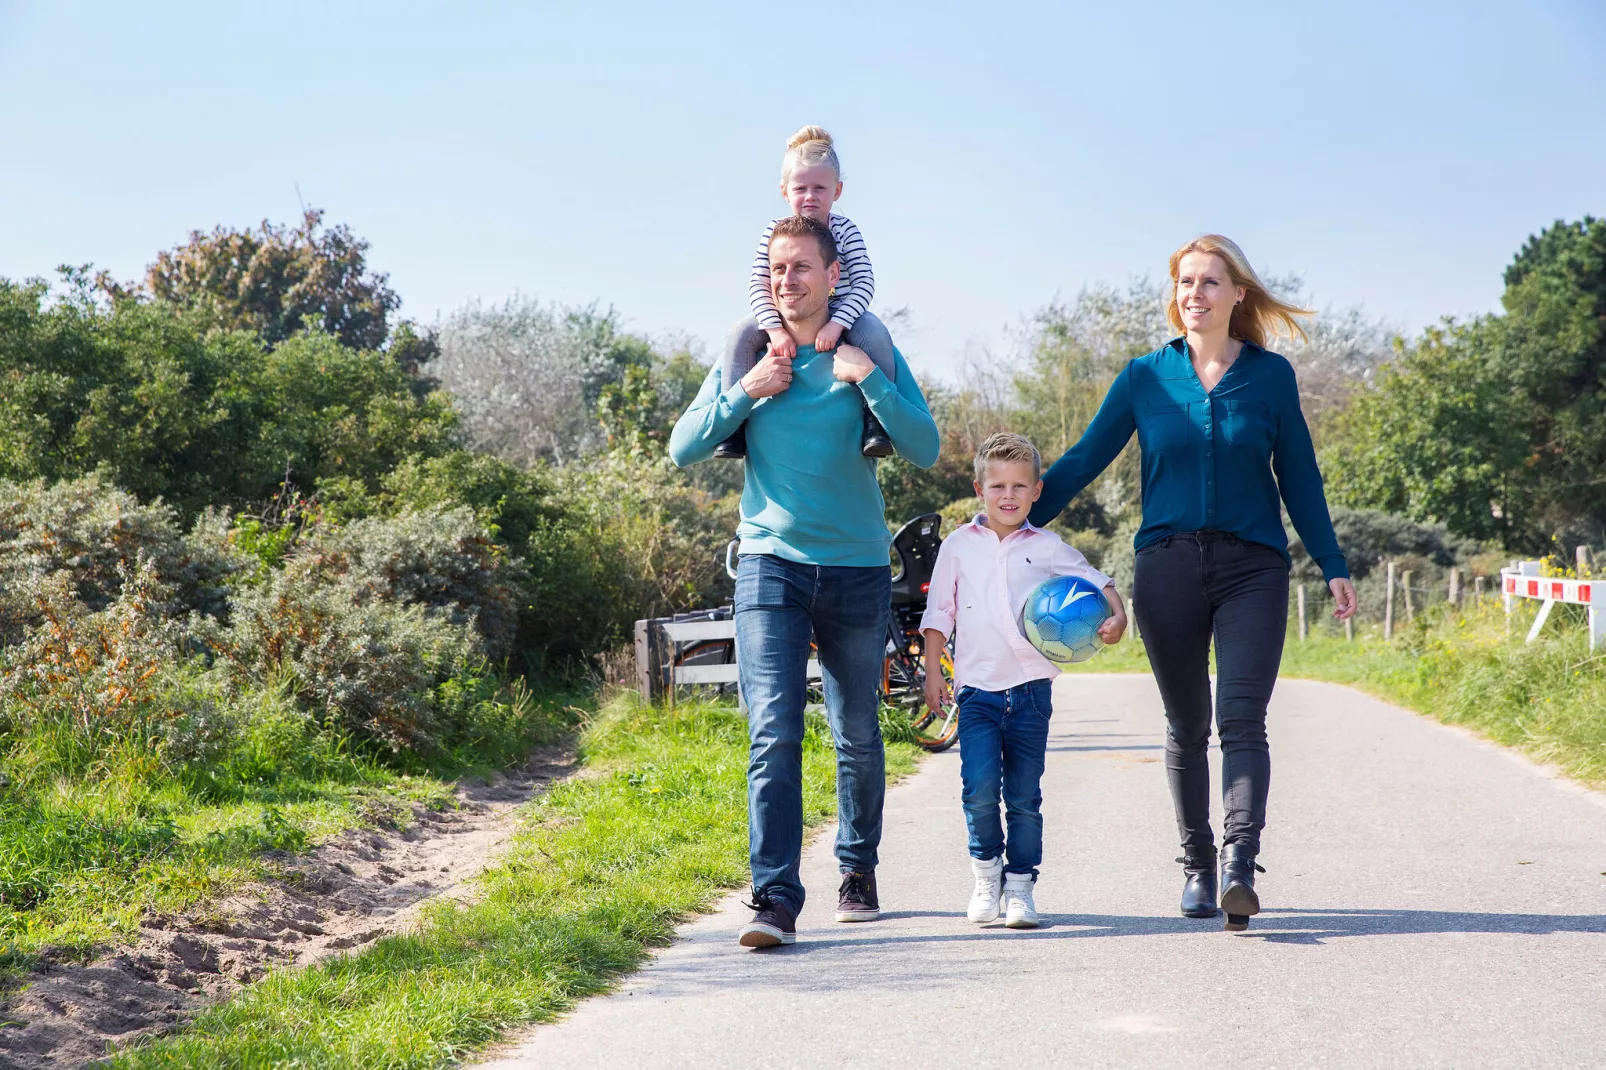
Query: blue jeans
1003, 737
780, 605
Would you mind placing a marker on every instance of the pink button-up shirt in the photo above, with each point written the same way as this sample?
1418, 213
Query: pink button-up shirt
979, 588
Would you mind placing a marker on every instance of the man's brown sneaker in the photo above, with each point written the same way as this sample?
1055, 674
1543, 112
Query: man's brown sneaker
856, 899
774, 924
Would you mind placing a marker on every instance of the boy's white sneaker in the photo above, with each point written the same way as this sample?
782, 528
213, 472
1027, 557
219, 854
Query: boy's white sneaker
984, 899
1019, 910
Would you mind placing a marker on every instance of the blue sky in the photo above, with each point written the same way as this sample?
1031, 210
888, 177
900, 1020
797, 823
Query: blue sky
1397, 154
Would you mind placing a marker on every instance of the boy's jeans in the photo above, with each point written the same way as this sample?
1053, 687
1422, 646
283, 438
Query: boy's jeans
780, 605
1003, 736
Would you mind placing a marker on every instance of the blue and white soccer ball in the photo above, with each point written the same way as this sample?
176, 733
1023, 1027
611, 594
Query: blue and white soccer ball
1062, 619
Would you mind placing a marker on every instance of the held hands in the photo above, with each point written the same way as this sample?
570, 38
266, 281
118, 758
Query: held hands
938, 694
781, 343
769, 377
851, 364
826, 340
1344, 594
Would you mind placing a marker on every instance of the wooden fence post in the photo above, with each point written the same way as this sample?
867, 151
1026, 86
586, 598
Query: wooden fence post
1388, 606
1454, 597
1581, 557
1477, 590
1405, 586
1302, 613
1349, 629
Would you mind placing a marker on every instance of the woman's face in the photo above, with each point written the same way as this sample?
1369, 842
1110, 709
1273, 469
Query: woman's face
812, 190
1205, 293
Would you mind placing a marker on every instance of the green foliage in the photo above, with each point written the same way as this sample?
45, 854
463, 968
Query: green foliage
1370, 537
167, 408
274, 280
1497, 428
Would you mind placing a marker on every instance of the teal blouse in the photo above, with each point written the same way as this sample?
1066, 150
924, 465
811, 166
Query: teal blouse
1210, 461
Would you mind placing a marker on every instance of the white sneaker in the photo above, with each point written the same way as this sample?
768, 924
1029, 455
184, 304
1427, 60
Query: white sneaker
984, 899
1019, 910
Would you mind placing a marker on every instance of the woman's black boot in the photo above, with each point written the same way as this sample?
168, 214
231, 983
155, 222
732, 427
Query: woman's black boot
1199, 893
1238, 898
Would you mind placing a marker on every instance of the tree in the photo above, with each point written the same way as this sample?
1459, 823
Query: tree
1497, 427
273, 279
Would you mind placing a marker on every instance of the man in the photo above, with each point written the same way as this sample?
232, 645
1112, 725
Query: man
814, 563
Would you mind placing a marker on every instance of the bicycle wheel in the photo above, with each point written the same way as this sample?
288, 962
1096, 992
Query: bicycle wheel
932, 732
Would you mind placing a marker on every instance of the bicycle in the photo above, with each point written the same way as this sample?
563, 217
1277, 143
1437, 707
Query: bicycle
903, 673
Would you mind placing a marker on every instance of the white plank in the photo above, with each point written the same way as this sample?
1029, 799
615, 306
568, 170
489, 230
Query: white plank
692, 631
722, 674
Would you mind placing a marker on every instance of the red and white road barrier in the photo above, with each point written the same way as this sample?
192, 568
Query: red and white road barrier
1524, 581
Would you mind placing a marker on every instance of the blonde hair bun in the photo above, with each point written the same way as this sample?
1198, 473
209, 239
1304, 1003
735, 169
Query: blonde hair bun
808, 134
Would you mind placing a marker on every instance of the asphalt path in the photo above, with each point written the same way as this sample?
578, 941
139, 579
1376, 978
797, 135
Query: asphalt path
1431, 900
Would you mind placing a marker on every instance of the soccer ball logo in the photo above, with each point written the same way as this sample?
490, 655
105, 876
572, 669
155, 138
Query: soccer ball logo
1062, 619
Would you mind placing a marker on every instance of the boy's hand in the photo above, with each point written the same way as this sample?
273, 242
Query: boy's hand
781, 343
938, 696
852, 364
1112, 630
826, 340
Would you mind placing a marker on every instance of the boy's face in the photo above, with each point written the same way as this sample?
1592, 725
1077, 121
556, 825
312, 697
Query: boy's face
1008, 491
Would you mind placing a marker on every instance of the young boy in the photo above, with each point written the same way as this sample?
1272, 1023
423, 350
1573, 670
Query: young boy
984, 573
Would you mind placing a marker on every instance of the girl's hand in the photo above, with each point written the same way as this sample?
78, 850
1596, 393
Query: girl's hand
937, 693
826, 340
852, 364
1344, 594
1113, 628
781, 344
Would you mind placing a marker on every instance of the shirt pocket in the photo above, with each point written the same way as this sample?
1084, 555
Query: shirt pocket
1166, 425
1247, 425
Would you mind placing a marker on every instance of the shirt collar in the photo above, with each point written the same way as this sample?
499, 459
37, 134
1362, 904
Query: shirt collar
979, 522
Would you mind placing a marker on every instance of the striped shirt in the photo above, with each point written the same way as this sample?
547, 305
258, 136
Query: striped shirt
854, 289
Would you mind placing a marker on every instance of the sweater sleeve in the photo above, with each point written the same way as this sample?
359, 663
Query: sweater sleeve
902, 410
710, 419
1100, 444
858, 278
1299, 480
758, 285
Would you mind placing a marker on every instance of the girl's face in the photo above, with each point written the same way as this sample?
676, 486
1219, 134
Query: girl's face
1205, 293
812, 190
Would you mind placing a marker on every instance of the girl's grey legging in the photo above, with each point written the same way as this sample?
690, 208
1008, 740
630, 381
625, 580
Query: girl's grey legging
747, 342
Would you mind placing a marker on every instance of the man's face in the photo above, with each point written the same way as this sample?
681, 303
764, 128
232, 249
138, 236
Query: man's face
799, 282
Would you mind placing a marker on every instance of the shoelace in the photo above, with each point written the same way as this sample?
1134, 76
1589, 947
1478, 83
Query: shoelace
854, 888
760, 902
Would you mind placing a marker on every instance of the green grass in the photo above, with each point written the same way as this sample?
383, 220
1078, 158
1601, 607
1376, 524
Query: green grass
1471, 668
603, 869
96, 835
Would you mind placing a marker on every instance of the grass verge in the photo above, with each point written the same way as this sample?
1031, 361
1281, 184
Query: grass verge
604, 868
1471, 668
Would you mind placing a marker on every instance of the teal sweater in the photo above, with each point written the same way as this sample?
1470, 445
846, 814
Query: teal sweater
809, 495
1209, 460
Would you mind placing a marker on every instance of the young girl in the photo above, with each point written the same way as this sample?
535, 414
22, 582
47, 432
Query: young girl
811, 182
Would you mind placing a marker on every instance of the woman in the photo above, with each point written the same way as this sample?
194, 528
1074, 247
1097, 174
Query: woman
1221, 433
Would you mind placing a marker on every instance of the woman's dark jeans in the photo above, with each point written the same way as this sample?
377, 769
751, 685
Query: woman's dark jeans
1189, 587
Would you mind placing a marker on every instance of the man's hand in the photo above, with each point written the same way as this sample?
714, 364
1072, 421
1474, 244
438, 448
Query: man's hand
826, 340
781, 343
1344, 594
769, 377
852, 364
938, 696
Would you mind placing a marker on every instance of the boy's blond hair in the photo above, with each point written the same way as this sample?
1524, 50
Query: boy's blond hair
1007, 446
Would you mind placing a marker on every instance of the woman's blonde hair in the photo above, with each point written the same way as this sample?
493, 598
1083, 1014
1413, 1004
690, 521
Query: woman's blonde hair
807, 147
1260, 316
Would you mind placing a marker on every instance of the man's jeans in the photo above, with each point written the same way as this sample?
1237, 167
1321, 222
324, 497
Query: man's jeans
1002, 739
780, 605
1189, 588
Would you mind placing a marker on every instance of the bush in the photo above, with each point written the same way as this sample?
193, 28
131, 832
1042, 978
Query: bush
90, 533
1370, 537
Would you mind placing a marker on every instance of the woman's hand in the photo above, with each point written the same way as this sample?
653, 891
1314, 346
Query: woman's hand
937, 692
1344, 594
851, 364
781, 343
